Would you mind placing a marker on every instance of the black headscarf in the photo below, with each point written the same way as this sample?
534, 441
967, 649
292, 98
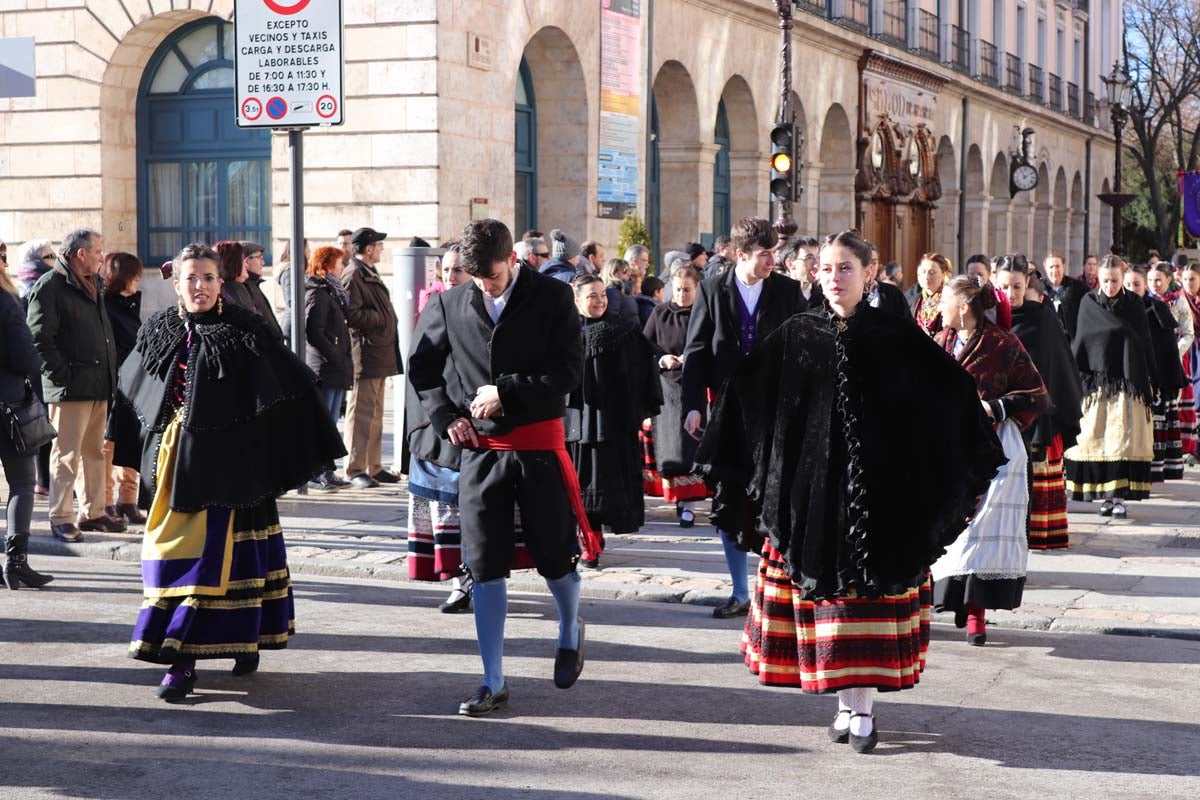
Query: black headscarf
1168, 377
1040, 331
1112, 345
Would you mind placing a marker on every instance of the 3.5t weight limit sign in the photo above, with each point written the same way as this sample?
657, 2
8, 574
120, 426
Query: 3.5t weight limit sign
288, 59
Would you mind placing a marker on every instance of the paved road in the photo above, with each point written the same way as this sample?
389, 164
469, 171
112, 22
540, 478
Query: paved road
361, 706
1140, 575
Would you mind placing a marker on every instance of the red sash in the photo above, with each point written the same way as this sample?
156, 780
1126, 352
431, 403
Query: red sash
549, 435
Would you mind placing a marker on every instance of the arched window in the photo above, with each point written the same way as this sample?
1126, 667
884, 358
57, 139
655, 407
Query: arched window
200, 177
721, 221
525, 195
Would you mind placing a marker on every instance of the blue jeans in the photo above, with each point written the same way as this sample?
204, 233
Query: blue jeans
333, 401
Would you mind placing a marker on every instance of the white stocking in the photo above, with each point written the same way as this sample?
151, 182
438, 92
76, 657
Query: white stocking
842, 721
861, 701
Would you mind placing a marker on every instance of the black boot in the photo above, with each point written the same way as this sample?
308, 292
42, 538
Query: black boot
16, 564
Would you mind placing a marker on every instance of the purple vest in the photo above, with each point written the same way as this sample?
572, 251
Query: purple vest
747, 323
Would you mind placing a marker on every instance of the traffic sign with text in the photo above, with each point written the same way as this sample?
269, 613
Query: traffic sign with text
288, 59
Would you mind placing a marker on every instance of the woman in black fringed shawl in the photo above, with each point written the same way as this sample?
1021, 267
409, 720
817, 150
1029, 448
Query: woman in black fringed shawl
1041, 332
604, 414
220, 419
1112, 347
1167, 380
805, 429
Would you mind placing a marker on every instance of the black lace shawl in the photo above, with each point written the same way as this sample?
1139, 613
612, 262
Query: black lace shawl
619, 387
1040, 330
254, 422
862, 446
1112, 346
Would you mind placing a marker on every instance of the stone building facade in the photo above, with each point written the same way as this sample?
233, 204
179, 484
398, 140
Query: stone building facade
455, 107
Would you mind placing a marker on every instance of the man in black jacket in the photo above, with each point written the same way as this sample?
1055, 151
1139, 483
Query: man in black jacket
732, 313
513, 337
254, 260
1064, 292
79, 372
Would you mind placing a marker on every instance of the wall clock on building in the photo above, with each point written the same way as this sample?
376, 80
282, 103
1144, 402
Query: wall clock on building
1023, 178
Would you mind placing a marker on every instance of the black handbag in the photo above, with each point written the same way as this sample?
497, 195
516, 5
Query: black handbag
27, 423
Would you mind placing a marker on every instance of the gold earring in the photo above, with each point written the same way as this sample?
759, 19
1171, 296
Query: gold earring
181, 311
220, 307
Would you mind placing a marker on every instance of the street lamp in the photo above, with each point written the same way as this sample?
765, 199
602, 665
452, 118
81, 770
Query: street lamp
784, 225
1119, 90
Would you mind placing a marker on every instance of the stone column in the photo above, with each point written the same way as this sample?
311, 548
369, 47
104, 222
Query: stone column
749, 185
685, 192
835, 201
1000, 220
947, 224
975, 229
805, 211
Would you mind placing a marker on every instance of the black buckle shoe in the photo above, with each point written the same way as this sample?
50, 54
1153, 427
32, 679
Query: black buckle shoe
383, 476
731, 608
483, 702
456, 605
865, 744
568, 664
173, 692
839, 735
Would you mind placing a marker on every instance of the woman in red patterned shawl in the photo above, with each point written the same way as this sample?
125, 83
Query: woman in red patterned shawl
985, 567
931, 277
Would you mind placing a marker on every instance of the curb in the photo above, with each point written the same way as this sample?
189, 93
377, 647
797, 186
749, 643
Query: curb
596, 588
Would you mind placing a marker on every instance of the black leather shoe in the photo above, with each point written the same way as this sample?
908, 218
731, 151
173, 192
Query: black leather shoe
66, 532
459, 602
977, 639
731, 608
383, 476
244, 665
131, 513
322, 484
483, 702
839, 736
332, 477
102, 524
568, 664
178, 691
363, 481
865, 744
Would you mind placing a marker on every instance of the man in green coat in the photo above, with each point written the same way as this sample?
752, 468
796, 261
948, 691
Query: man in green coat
79, 372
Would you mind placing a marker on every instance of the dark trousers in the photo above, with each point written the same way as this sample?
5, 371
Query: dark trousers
19, 470
491, 483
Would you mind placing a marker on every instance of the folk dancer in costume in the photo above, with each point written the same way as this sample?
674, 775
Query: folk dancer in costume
666, 330
1190, 280
806, 427
220, 419
1159, 280
434, 533
618, 391
732, 313
1111, 460
985, 567
1040, 331
513, 338
1168, 380
932, 273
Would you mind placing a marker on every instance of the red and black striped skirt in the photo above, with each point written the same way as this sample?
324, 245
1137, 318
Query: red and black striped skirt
1048, 502
652, 481
1187, 411
823, 647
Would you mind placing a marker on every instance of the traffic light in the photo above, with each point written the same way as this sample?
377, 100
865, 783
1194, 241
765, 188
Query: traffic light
783, 162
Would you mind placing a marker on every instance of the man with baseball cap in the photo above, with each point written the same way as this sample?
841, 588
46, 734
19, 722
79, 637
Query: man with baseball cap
375, 345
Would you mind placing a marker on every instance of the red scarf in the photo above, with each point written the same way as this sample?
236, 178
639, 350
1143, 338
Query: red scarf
1194, 305
549, 435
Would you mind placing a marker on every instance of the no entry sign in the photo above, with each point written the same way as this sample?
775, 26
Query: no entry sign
288, 62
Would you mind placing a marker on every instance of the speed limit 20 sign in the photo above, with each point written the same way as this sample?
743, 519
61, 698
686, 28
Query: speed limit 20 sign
288, 59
